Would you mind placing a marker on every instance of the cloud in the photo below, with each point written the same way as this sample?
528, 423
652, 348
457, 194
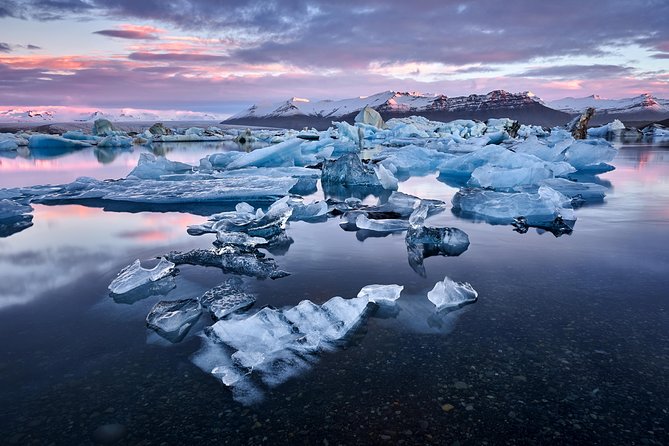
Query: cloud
33, 47
126, 34
175, 57
595, 71
5, 48
321, 33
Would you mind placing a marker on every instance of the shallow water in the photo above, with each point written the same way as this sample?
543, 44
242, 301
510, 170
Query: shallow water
568, 342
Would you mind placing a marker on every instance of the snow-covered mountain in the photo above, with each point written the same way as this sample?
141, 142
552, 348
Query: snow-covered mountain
644, 103
298, 112
63, 114
14, 115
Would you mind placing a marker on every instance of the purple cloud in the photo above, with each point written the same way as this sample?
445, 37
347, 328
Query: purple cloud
127, 34
175, 57
5, 48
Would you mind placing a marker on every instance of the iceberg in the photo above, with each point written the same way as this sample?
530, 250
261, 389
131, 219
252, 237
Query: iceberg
133, 190
381, 225
232, 260
173, 319
10, 141
152, 167
133, 276
114, 141
588, 192
540, 209
381, 294
78, 135
450, 294
11, 209
590, 154
293, 152
606, 130
55, 143
348, 170
161, 287
103, 127
226, 298
423, 241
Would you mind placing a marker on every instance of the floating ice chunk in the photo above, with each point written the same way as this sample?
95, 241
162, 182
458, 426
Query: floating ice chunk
226, 299
10, 141
293, 152
78, 135
239, 239
423, 241
588, 192
158, 288
381, 294
348, 170
590, 154
306, 211
381, 225
501, 178
164, 192
405, 204
151, 167
219, 160
258, 223
370, 116
411, 160
449, 294
539, 209
231, 260
385, 177
103, 127
133, 276
115, 141
11, 209
55, 142
606, 130
173, 319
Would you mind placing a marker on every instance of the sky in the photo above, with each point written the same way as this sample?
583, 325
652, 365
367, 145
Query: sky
220, 56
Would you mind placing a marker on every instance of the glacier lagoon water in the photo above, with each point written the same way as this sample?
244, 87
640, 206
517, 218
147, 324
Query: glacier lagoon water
567, 343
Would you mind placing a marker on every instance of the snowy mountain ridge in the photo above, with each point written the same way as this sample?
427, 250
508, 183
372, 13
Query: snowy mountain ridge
389, 102
62, 114
645, 102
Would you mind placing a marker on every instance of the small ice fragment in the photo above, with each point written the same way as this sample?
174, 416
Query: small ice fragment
133, 276
173, 319
448, 294
381, 293
226, 298
381, 225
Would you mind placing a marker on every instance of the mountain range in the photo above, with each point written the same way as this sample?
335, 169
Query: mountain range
524, 107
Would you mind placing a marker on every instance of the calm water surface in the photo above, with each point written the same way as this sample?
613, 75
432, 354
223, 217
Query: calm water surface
567, 344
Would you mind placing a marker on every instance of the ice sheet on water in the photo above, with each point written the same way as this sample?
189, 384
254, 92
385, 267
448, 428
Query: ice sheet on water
450, 294
152, 167
540, 208
166, 192
232, 260
134, 275
227, 298
173, 319
55, 142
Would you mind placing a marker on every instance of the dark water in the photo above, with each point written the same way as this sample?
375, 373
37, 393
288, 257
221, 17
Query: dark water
567, 344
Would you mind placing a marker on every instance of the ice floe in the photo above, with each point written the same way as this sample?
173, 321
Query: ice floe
134, 275
173, 319
450, 294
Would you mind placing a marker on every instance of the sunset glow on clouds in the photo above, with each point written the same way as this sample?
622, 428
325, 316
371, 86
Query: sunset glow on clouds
221, 56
